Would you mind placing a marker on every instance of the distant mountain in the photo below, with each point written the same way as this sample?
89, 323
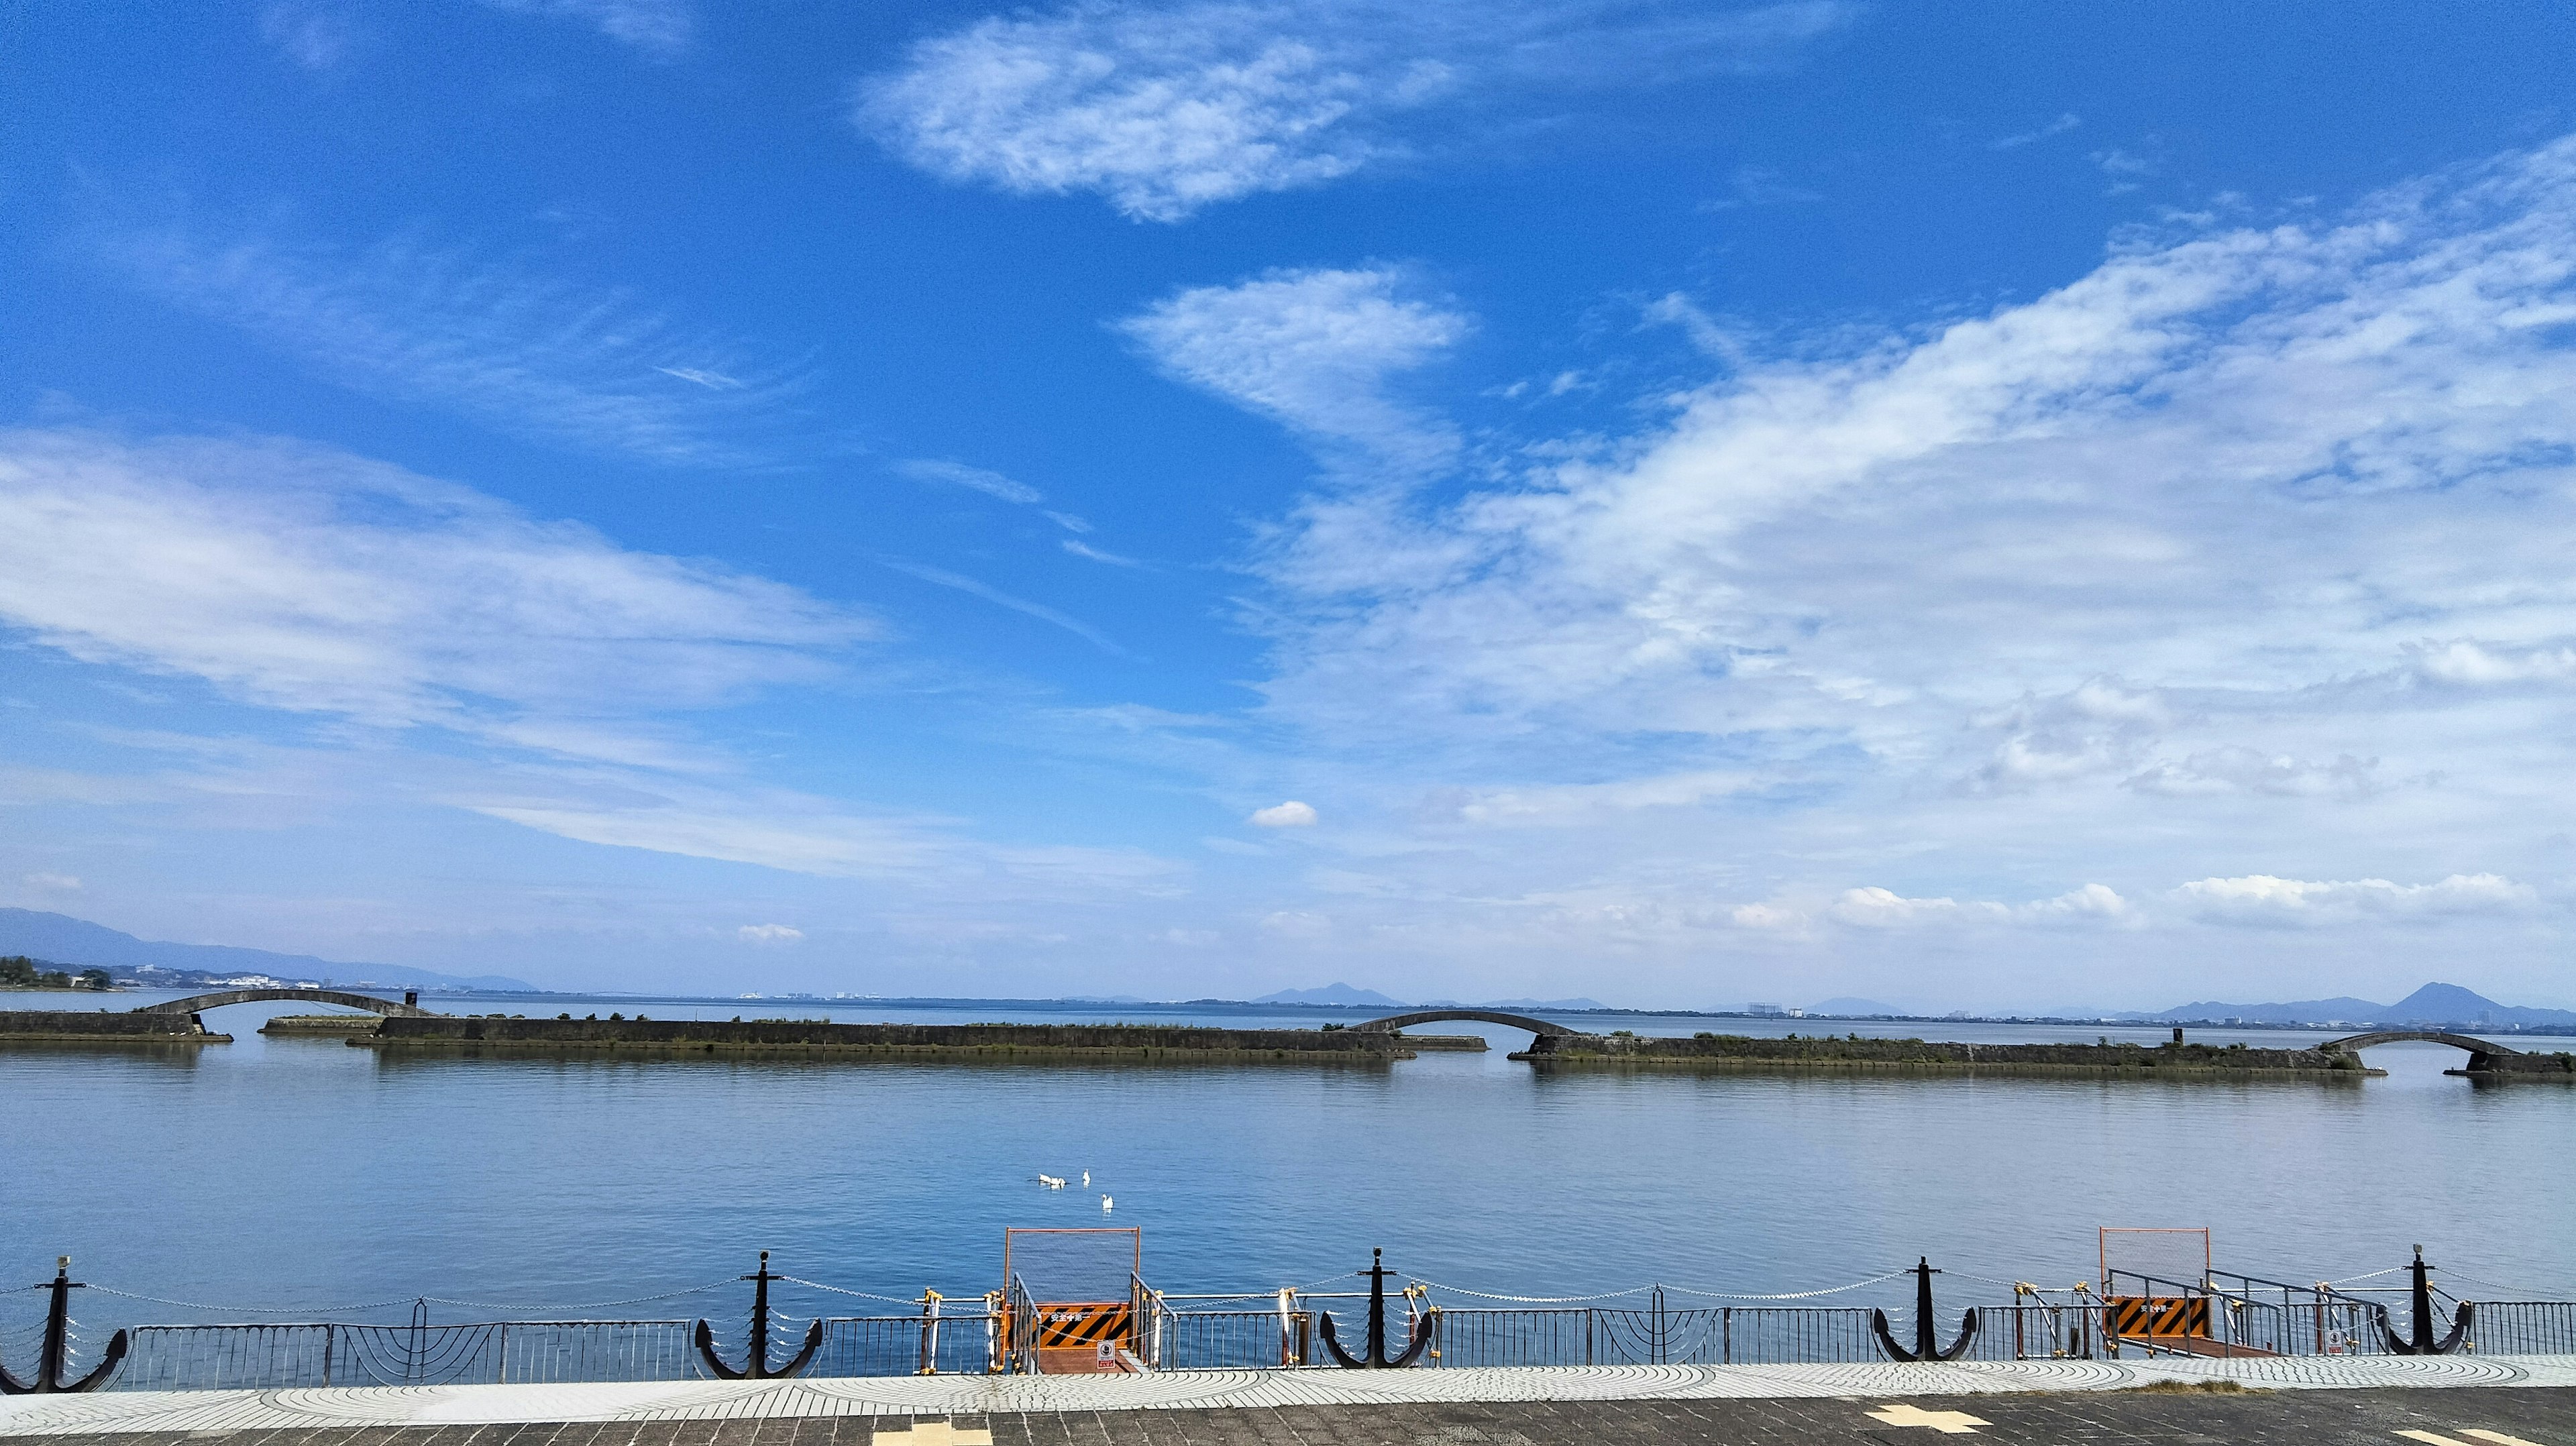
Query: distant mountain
1336, 993
1846, 1006
1542, 1004
78, 942
2432, 1004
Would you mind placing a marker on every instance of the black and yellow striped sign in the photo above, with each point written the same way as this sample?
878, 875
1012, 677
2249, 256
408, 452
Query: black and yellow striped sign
1083, 1324
2159, 1315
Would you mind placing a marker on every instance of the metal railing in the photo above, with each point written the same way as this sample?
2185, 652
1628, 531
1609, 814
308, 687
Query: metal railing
2524, 1327
948, 1343
2247, 1316
267, 1357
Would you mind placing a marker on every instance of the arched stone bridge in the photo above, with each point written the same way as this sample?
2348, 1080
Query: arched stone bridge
409, 1007
2482, 1053
1546, 1035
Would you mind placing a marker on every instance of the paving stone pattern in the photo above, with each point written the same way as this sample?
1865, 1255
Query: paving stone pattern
2540, 1416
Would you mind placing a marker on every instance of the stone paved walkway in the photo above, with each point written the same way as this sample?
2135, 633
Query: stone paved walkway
2305, 1400
2381, 1416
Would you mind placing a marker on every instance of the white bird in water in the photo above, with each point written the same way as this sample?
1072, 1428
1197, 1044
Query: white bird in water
1086, 1179
1052, 1182
1104, 1204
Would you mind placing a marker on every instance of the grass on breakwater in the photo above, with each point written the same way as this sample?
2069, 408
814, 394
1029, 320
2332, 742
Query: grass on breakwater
1137, 1043
1916, 1056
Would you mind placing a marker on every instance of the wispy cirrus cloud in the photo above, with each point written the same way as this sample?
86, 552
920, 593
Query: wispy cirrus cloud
303, 578
1014, 491
1053, 617
1165, 109
974, 479
2065, 122
1315, 350
458, 652
661, 29
448, 328
316, 37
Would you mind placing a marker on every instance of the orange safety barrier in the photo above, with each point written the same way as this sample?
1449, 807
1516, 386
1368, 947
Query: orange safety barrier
2153, 1316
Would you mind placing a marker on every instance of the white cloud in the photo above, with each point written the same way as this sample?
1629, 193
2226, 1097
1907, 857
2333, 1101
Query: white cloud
1291, 814
1314, 350
448, 329
1592, 802
769, 934
1093, 554
54, 883
2263, 899
2249, 544
659, 28
2058, 127
312, 36
1876, 908
1761, 186
2235, 766
1297, 924
303, 578
801, 834
1767, 916
942, 577
1167, 108
2181, 509
2471, 663
958, 474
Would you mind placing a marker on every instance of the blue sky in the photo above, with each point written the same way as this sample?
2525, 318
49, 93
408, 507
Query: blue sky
2024, 506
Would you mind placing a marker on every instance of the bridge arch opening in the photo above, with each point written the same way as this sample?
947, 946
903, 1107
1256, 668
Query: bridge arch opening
2483, 1053
407, 1006
1545, 1034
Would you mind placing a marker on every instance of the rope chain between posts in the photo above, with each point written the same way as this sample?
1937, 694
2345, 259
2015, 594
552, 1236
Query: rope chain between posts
405, 1300
592, 1305
838, 1290
256, 1309
1669, 1289
1205, 1300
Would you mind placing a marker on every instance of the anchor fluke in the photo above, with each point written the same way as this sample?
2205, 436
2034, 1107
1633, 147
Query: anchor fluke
56, 1352
2420, 1342
756, 1365
1927, 1346
1374, 1356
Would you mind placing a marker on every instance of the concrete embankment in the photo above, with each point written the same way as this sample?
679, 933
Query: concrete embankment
76, 1026
1129, 1043
1720, 1052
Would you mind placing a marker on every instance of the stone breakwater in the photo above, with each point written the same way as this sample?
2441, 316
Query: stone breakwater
2558, 1066
1855, 1053
78, 1026
1130, 1043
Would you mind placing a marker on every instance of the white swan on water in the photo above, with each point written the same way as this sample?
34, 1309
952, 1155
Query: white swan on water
1104, 1204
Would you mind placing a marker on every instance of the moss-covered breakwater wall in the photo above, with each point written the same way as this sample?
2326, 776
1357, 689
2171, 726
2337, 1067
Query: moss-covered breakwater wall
101, 1026
2559, 1066
1136, 1042
1746, 1052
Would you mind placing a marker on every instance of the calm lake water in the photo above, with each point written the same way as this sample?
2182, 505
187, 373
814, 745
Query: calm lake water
297, 1175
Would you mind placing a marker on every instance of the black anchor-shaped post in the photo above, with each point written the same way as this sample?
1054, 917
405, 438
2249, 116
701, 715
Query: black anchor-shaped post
1375, 1358
1926, 1346
2422, 1342
756, 1358
57, 1348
